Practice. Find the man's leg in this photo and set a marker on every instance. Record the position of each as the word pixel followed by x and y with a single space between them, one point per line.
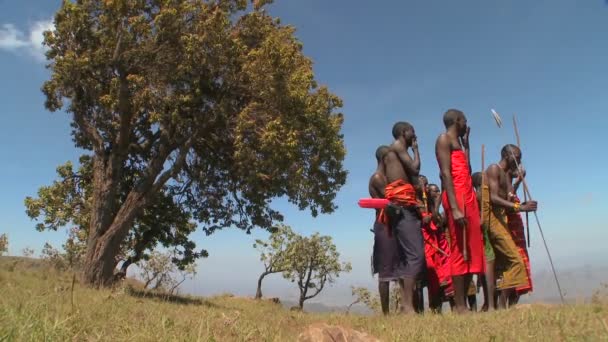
pixel 489 287
pixel 409 238
pixel 509 261
pixel 407 295
pixel 461 287
pixel 384 289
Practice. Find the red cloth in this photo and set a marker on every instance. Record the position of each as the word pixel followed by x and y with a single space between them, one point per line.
pixel 430 239
pixel 373 203
pixel 437 264
pixel 467 201
pixel 516 226
pixel 442 262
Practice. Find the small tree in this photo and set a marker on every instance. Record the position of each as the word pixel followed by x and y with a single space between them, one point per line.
pixel 3 244
pixel 53 256
pixel 314 262
pixel 27 252
pixel 274 253
pixel 372 301
pixel 158 271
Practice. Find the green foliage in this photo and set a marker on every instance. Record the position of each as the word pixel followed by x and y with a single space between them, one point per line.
pixel 54 257
pixel 3 244
pixel 372 300
pixel 205 107
pixel 27 252
pixel 159 272
pixel 277 252
pixel 314 263
pixel 68 201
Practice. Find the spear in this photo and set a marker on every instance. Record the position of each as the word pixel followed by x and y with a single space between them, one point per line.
pixel 526 188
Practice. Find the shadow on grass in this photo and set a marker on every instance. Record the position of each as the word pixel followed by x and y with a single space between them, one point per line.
pixel 170 298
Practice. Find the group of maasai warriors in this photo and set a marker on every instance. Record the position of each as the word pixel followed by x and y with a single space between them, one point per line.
pixel 480 231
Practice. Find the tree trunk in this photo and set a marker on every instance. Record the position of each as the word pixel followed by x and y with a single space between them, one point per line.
pixel 104 245
pixel 110 223
pixel 258 292
pixel 301 302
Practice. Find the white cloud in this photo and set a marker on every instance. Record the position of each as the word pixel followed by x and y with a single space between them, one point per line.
pixel 14 40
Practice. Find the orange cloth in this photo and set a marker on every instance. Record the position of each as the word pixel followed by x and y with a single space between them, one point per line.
pixel 400 193
pixel 467 202
pixel 516 226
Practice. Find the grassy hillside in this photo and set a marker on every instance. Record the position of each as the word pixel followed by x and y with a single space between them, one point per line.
pixel 37 304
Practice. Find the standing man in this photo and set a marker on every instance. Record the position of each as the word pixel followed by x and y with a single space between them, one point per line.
pixel 435 247
pixel 487 280
pixel 460 204
pixel 510 268
pixel 385 259
pixel 516 226
pixel 403 215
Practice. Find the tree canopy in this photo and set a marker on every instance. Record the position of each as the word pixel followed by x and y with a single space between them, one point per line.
pixel 209 107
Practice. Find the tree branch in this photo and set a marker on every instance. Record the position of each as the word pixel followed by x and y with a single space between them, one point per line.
pixel 90 132
pixel 175 169
pixel 319 289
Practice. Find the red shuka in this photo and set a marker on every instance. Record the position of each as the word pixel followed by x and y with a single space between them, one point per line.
pixel 467 202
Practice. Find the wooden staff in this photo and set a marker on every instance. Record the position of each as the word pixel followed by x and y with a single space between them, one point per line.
pixel 465 251
pixel 521 175
pixel 483 176
pixel 540 229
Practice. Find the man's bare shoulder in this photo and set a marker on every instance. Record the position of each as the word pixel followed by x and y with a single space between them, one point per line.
pixel 397 146
pixel 493 170
pixel 443 140
pixel 377 177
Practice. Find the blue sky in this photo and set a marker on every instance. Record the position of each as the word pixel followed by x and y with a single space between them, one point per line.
pixel 544 60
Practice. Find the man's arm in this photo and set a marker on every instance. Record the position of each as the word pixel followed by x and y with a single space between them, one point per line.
pixel 467 149
pixel 493 176
pixel 443 150
pixel 378 185
pixel 411 166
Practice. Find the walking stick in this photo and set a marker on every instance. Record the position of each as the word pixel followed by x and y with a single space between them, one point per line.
pixel 525 188
pixel 465 251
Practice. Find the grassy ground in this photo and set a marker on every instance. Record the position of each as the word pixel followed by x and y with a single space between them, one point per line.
pixel 37 304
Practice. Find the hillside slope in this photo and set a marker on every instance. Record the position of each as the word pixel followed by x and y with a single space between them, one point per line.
pixel 37 303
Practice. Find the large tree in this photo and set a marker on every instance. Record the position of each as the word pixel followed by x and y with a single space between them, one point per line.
pixel 209 103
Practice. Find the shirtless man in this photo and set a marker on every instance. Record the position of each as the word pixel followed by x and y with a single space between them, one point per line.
pixel 404 215
pixel 516 226
pixel 436 249
pixel 510 268
pixel 460 204
pixel 385 258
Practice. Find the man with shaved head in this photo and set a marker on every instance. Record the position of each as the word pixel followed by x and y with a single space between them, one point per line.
pixel 403 214
pixel 436 248
pixel 496 205
pixel 460 205
pixel 516 226
pixel 385 259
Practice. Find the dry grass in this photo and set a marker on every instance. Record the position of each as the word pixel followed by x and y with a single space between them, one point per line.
pixel 35 305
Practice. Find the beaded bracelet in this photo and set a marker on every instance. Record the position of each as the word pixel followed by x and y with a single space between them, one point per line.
pixel 516 207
